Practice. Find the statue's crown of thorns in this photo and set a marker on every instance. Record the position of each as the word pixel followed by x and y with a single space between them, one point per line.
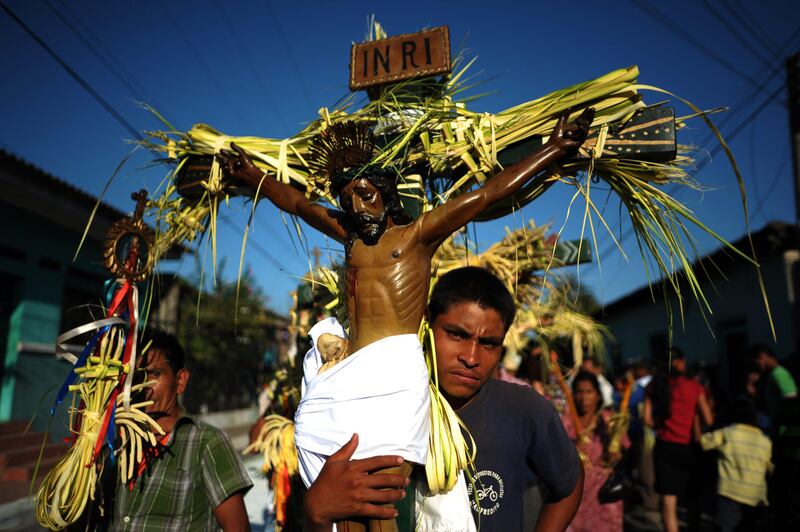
pixel 342 152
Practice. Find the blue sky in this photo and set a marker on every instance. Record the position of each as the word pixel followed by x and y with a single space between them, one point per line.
pixel 265 68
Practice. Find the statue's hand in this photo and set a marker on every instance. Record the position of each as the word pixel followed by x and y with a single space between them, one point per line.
pixel 238 165
pixel 567 137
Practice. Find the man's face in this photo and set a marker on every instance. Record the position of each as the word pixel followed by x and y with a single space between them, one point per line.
pixel 168 385
pixel 761 362
pixel 469 343
pixel 362 201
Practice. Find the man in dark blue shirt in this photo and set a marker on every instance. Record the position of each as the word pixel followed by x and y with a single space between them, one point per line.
pixel 519 437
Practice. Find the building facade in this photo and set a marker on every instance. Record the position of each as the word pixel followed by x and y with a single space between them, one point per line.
pixel 719 338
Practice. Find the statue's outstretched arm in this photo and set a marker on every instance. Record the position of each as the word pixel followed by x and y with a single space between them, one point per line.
pixel 287 198
pixel 565 140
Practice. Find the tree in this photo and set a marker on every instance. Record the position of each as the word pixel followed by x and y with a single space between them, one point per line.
pixel 225 342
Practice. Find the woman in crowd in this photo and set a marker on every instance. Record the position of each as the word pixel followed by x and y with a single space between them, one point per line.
pixel 592 441
pixel 671 406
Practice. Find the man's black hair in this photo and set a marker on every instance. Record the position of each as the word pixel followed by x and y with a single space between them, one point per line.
pixel 168 345
pixel 744 411
pixel 473 285
pixel 759 348
pixel 676 353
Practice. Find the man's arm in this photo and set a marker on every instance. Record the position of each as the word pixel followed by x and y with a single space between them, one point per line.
pixel 224 479
pixel 556 516
pixel 285 197
pixel 647 417
pixel 554 460
pixel 705 410
pixel 232 515
pixel 565 140
pixel 345 488
pixel 712 440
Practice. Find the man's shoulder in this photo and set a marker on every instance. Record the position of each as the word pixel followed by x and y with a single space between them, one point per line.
pixel 519 397
pixel 782 375
pixel 198 430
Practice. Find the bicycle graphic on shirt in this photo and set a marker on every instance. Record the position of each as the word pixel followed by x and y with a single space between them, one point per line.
pixel 486 492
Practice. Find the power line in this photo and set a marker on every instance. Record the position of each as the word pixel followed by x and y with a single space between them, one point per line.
pixel 288 47
pixel 736 34
pixel 752 25
pixel 675 188
pixel 104 55
pixel 755 91
pixel 130 88
pixel 254 71
pixel 775 179
pixel 752 116
pixel 258 247
pixel 82 82
pixel 651 11
pixel 199 58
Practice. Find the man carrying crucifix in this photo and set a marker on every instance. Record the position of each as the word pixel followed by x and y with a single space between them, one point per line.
pixel 387 276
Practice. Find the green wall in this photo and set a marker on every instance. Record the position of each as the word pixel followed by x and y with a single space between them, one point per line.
pixel 37 257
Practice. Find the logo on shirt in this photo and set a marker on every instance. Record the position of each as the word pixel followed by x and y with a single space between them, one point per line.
pixel 486 493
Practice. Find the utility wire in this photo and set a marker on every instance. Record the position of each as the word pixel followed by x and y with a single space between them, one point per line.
pixel 93 49
pixel 74 75
pixel 752 116
pixel 749 97
pixel 254 70
pixel 760 201
pixel 202 62
pixel 676 188
pixel 736 33
pixel 752 25
pixel 258 247
pixel 653 12
pixel 288 47
pixel 104 55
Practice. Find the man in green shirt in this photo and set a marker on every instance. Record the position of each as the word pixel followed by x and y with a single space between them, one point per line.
pixel 197 481
pixel 783 409
pixel 780 384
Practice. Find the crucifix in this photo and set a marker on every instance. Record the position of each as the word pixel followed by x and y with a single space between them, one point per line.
pixel 387 275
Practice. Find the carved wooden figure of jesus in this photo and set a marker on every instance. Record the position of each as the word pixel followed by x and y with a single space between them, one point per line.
pixel 388 259
pixel 388 255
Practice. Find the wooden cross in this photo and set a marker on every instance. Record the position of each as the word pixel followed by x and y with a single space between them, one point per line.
pixel 141 201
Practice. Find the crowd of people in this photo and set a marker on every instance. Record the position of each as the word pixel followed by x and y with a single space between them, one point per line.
pixel 727 459
pixel 554 452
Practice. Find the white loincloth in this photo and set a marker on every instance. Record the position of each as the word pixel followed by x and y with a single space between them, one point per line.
pixel 445 512
pixel 379 392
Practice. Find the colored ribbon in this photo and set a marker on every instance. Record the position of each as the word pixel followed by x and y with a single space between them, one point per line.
pixel 130 347
pixel 62 351
pixel 129 294
pixel 81 360
pixel 123 307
